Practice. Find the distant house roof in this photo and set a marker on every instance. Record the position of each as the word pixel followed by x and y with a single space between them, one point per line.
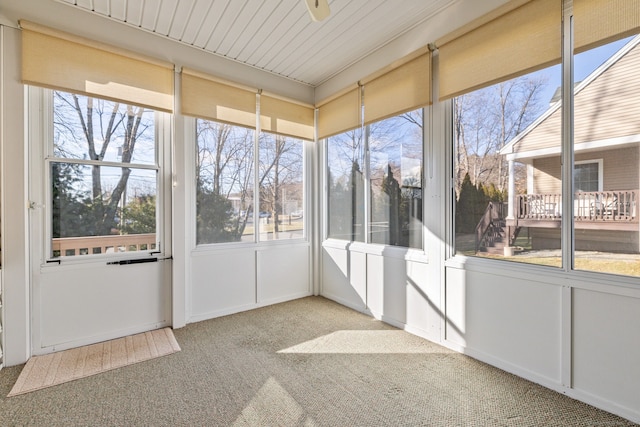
pixel 606 111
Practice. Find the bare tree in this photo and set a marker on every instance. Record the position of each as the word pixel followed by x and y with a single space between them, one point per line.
pixel 280 167
pixel 86 128
pixel 224 171
pixel 486 120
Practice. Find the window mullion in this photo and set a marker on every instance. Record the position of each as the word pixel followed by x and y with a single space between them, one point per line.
pixel 367 186
pixel 256 174
pixel 567 225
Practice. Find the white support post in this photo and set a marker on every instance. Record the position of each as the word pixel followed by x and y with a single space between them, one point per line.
pixel 511 191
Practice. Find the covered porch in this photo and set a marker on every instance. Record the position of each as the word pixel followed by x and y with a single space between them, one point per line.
pixel 611 210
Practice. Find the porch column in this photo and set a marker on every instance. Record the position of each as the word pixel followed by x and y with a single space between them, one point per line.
pixel 511 192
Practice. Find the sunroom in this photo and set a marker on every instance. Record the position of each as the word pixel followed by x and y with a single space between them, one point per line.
pixel 165 163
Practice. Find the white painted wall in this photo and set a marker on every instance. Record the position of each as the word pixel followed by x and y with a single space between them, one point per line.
pixel 518 318
pixel 119 301
pixel 391 284
pixel 230 280
pixel 13 202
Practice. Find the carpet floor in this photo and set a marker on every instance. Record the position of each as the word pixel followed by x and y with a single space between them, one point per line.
pixel 309 362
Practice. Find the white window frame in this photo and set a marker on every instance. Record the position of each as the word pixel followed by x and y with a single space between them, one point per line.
pixel 600 170
pixel 398 251
pixel 40 111
pixel 190 135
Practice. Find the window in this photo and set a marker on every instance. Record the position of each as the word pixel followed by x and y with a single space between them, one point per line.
pixel 224 183
pixel 586 176
pixel 394 151
pixel 502 75
pixel 345 176
pixel 607 128
pixel 596 229
pixel 508 197
pixel 281 213
pixel 103 177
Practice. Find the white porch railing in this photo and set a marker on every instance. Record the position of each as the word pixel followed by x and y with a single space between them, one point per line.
pixel 90 245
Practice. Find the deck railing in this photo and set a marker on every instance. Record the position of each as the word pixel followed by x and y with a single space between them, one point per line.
pixel 91 245
pixel 617 205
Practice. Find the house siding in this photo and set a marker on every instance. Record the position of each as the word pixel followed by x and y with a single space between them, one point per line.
pixel 546 176
pixel 620 170
pixel 606 108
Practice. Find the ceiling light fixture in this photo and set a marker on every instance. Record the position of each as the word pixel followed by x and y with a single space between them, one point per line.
pixel 318 9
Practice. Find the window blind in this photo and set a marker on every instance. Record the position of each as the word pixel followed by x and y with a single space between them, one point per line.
pixel 403 88
pixel 519 41
pixel 204 96
pixel 62 61
pixel 598 22
pixel 339 114
pixel 287 118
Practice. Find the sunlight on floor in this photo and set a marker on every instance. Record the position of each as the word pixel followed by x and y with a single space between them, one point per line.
pixel 367 342
pixel 272 405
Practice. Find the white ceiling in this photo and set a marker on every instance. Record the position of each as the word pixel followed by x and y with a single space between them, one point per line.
pixel 277 36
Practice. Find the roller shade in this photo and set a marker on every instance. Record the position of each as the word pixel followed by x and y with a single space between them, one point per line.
pixel 206 97
pixel 340 114
pixel 520 41
pixel 399 90
pixel 598 22
pixel 286 118
pixel 62 61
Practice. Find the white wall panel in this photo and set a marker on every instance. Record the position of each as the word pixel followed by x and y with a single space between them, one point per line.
pixel 344 277
pixel 375 286
pixel 424 315
pixel 387 277
pixel 606 352
pixel 455 306
pixel 507 319
pixel 222 282
pixel 283 273
pixel 119 300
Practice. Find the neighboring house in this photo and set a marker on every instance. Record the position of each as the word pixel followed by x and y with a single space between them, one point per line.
pixel 606 175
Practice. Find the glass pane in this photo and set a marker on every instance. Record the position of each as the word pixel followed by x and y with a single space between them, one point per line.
pixel 101 208
pixel 395 152
pixel 95 129
pixel 507 171
pixel 586 177
pixel 345 176
pixel 606 129
pixel 281 188
pixel 224 183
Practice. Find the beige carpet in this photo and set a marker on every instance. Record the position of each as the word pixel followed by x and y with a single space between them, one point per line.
pixel 309 362
pixel 57 368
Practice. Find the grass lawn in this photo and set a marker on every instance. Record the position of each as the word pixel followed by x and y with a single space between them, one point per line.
pixel 623 264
